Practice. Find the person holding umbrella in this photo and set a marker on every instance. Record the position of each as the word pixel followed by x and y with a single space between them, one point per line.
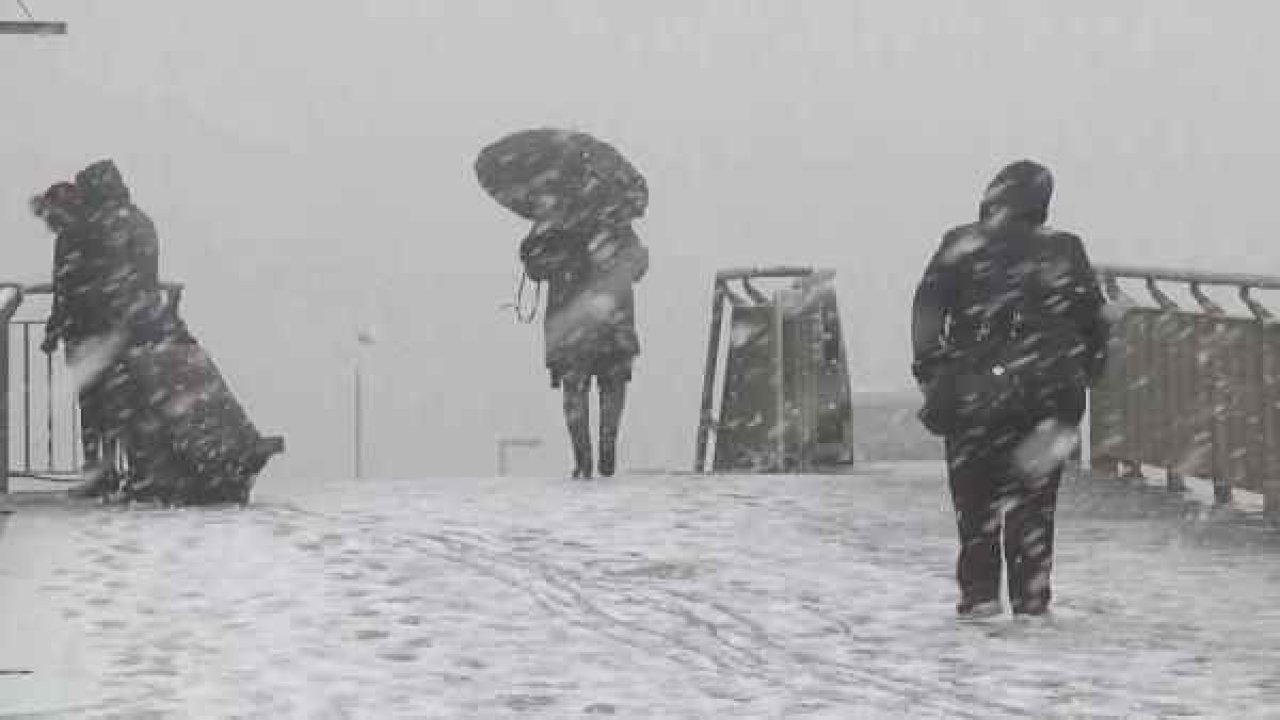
pixel 582 196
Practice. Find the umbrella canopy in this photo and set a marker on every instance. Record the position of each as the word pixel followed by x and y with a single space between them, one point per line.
pixel 551 174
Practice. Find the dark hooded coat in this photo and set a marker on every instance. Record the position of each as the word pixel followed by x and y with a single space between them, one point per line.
pixel 126 256
pixel 589 269
pixel 123 227
pixel 1007 271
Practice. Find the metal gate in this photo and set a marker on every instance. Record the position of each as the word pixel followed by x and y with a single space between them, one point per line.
pixel 776 386
pixel 40 427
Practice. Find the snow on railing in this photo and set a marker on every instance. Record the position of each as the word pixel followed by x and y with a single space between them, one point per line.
pixel 1192 387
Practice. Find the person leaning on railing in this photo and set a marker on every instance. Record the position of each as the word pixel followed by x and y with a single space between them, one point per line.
pixel 81 320
pixel 107 299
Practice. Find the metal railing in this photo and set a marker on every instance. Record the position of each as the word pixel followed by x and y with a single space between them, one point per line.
pixel 775 394
pixel 40 422
pixel 1192 386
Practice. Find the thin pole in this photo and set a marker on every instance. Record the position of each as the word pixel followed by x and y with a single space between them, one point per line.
pixel 782 422
pixel 359 422
pixel 5 417
pixel 26 396
pixel 48 398
pixel 705 416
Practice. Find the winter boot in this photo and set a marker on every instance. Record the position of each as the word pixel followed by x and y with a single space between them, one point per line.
pixel 578 419
pixel 582 460
pixel 101 480
pixel 970 610
pixel 608 458
pixel 613 398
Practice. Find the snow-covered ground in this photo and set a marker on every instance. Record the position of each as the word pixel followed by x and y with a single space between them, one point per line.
pixel 645 597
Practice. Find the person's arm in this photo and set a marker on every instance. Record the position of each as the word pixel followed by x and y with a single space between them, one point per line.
pixel 55 327
pixel 1089 309
pixel 541 256
pixel 144 249
pixel 929 310
pixel 636 258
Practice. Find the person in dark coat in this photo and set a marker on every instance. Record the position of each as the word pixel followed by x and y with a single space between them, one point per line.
pixel 74 314
pixel 85 318
pixel 129 274
pixel 129 248
pixel 590 332
pixel 992 283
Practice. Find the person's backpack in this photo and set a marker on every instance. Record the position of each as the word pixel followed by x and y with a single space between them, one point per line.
pixel 1007 380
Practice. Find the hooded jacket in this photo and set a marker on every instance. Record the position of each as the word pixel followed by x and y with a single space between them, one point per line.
pixel 989 278
pixel 590 269
pixel 121 225
pixel 127 250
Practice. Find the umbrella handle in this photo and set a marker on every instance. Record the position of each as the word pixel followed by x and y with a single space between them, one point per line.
pixel 522 316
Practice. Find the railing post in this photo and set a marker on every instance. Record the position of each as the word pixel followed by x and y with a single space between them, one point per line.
pixel 48 405
pixel 705 417
pixel 26 397
pixel 1220 403
pixel 4 411
pixel 1109 437
pixel 1270 406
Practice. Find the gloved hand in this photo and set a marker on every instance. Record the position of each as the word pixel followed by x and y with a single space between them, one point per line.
pixel 49 345
pixel 930 364
pixel 921 372
pixel 925 368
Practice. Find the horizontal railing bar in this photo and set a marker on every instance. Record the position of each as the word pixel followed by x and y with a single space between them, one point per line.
pixel 44 288
pixel 12 300
pixel 1135 272
pixel 781 271
pixel 33 27
pixel 58 476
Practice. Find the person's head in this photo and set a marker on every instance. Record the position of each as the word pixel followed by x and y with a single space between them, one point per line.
pixel 1021 191
pixel 101 182
pixel 61 206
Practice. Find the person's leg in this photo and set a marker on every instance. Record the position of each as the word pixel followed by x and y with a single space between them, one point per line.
pixel 973 476
pixel 91 429
pixel 613 398
pixel 577 416
pixel 98 468
pixel 1028 543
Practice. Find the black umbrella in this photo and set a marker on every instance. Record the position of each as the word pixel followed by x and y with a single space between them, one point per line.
pixel 550 174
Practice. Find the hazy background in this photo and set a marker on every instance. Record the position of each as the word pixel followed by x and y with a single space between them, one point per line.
pixel 309 168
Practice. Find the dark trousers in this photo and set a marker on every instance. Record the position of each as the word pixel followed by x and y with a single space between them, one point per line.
pixel 98 433
pixel 106 412
pixel 577 413
pixel 996 500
